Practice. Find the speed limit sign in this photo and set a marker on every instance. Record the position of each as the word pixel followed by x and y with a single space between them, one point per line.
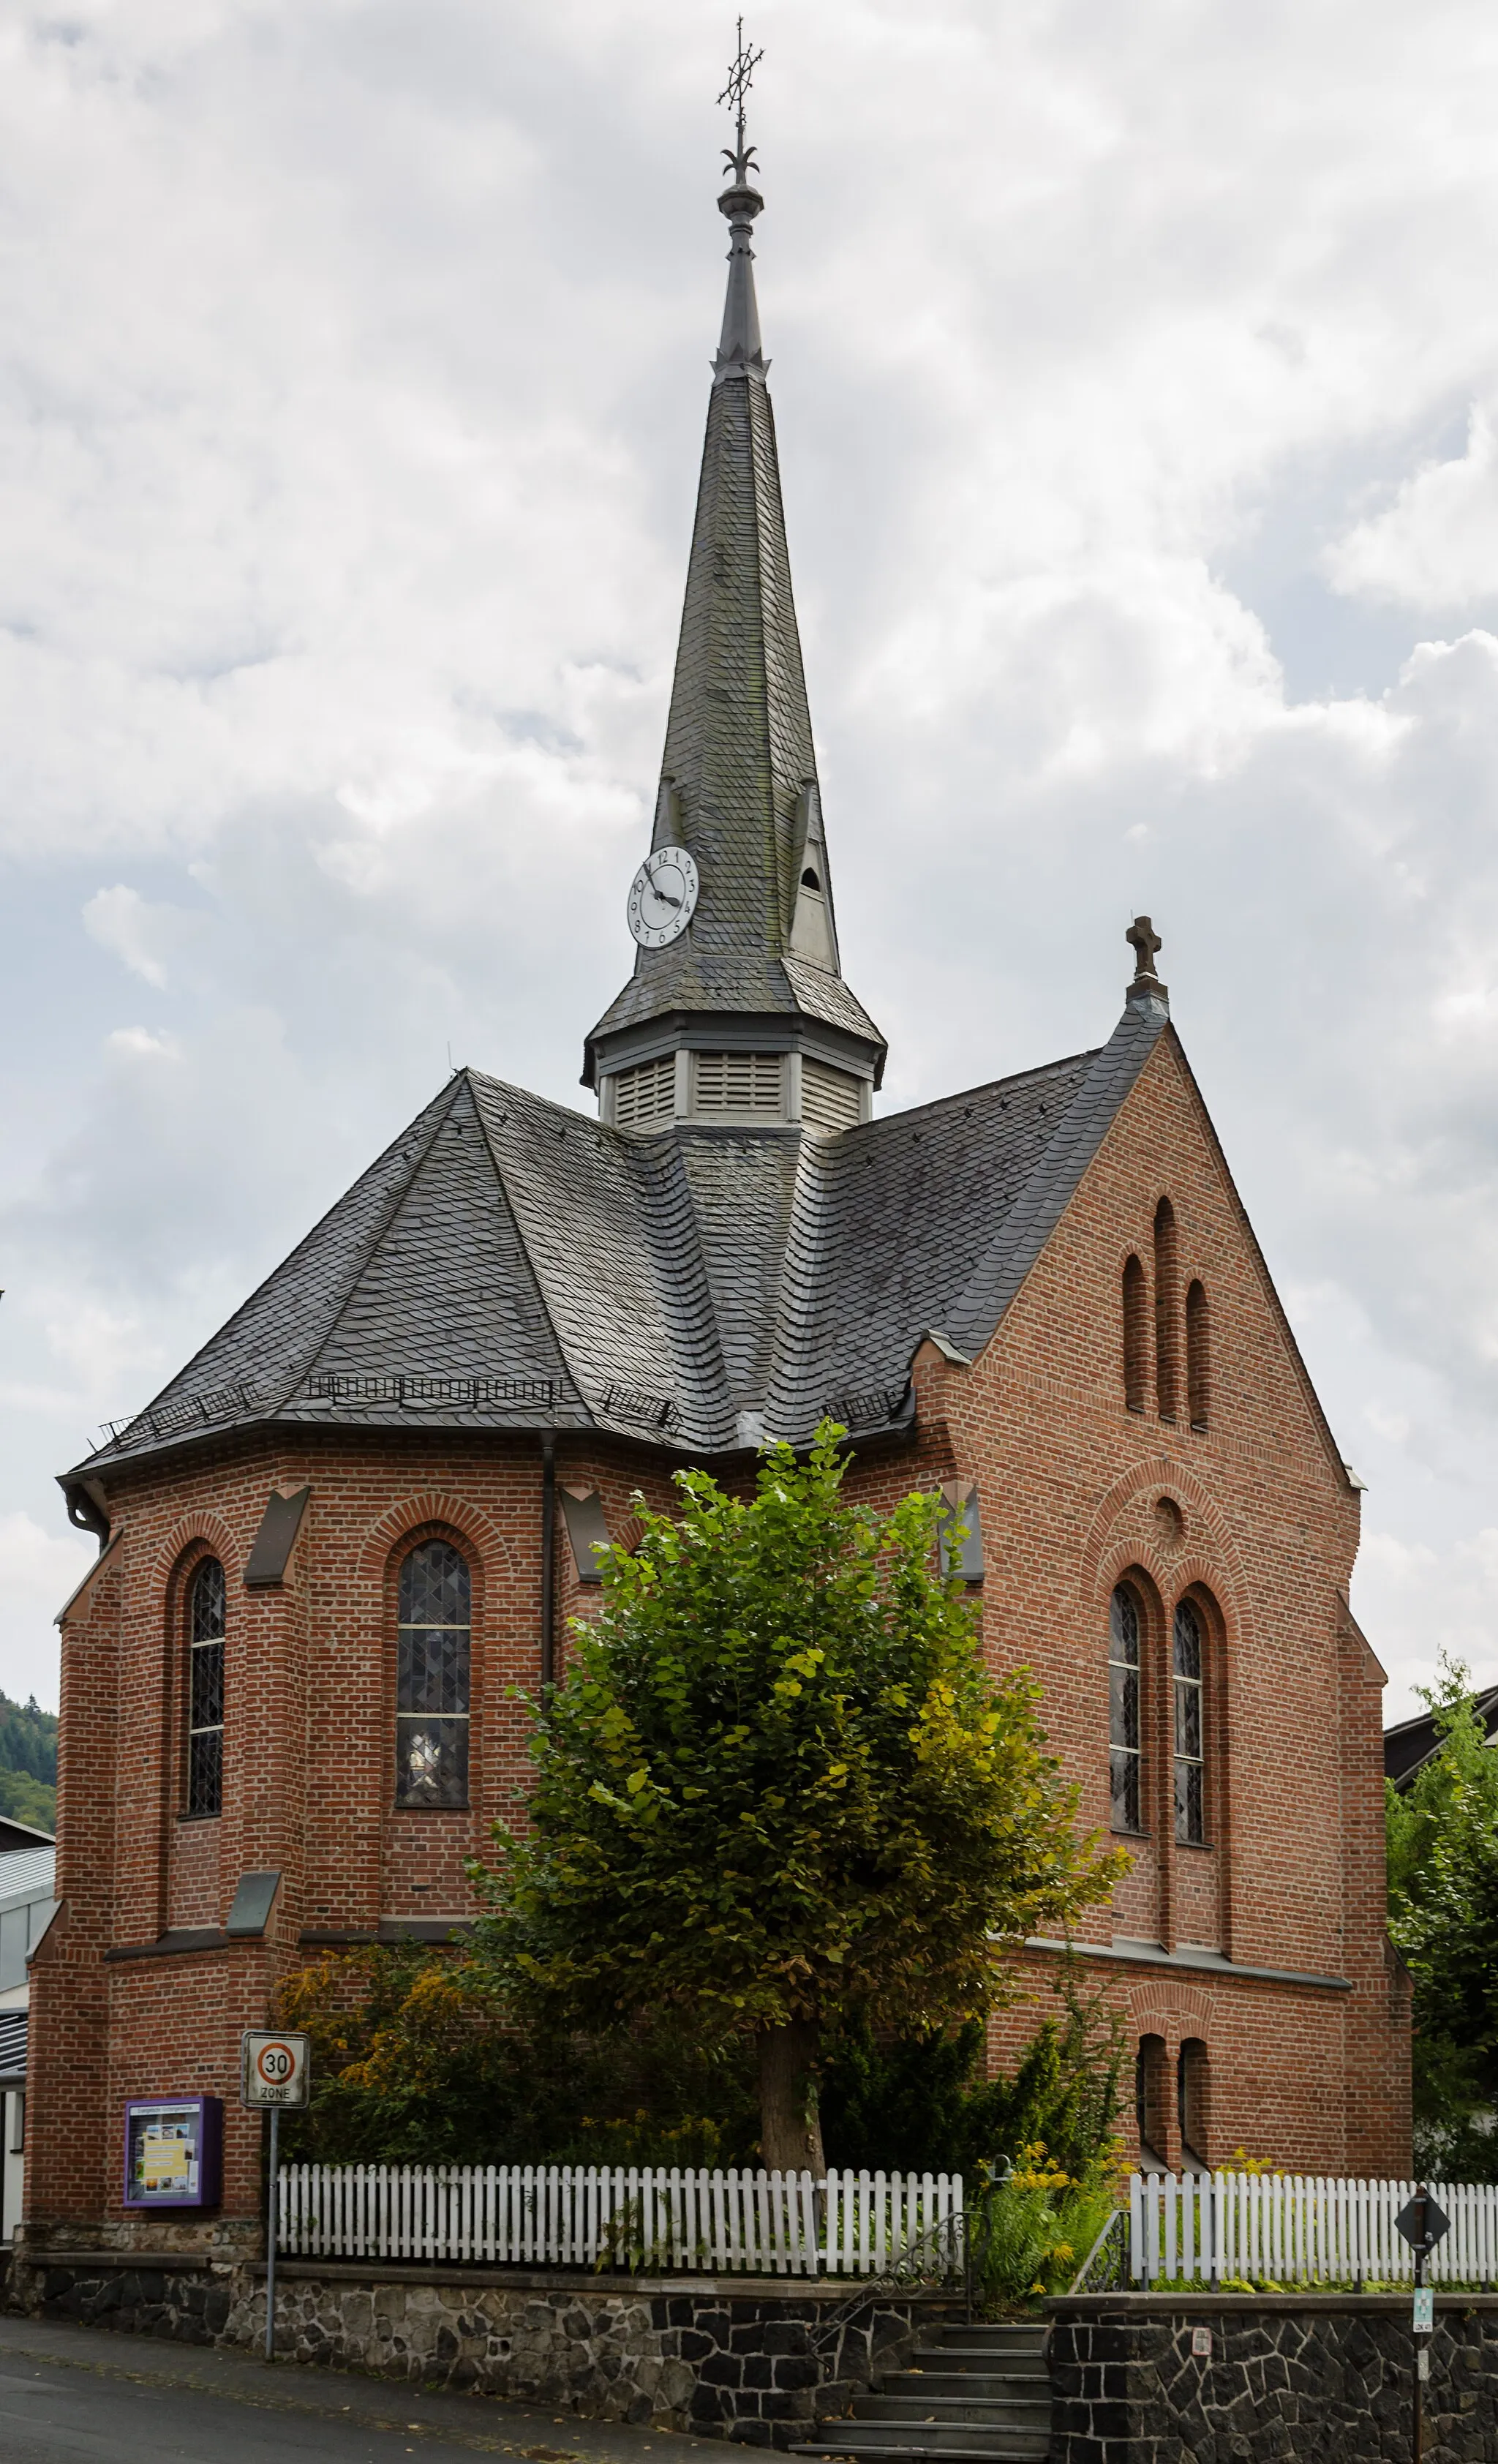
pixel 274 2069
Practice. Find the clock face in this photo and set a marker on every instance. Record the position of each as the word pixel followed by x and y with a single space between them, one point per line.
pixel 662 898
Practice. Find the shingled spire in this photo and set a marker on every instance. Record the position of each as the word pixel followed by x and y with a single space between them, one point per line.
pixel 739 785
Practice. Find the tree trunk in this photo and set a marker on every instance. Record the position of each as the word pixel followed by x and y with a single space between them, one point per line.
pixel 790 2125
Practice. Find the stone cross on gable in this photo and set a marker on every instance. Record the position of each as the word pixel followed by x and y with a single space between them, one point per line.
pixel 1144 941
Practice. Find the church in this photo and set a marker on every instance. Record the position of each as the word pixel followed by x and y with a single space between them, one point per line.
pixel 351 1533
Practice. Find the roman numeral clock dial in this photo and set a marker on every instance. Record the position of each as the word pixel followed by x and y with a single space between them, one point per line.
pixel 662 898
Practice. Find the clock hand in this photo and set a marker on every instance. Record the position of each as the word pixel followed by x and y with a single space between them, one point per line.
pixel 663 895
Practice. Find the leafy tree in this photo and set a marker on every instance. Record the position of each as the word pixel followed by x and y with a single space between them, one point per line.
pixel 778 1791
pixel 28 1763
pixel 926 2103
pixel 1442 1850
pixel 413 2062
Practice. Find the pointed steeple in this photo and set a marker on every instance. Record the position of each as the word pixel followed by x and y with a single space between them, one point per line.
pixel 757 967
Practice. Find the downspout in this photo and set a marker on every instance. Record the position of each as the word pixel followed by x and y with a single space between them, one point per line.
pixel 548 1606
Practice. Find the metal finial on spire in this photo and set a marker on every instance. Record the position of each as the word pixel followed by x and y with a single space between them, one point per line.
pixel 739 352
pixel 741 77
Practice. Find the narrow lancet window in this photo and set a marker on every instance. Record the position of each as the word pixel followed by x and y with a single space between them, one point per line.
pixel 1198 1356
pixel 1124 1754
pixel 431 1676
pixel 1136 1335
pixel 1190 1809
pixel 205 1690
pixel 1167 1314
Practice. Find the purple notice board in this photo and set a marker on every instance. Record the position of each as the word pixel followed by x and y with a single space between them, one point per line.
pixel 174 2151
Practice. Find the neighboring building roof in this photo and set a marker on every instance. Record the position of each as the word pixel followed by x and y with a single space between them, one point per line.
pixel 1411 1744
pixel 510 1265
pixel 25 1835
pixel 27 1874
pixel 12 2048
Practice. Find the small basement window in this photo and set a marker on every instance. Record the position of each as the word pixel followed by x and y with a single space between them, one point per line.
pixel 740 1082
pixel 829 1098
pixel 646 1094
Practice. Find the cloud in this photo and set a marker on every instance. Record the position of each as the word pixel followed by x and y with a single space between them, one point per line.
pixel 141 935
pixel 1435 546
pixel 39 1568
pixel 1134 378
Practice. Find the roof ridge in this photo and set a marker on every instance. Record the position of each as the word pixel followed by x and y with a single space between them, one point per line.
pixel 967 1094
pixel 440 1111
pixel 503 1087
pixel 1039 1205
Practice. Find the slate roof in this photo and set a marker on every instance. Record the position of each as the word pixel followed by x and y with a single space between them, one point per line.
pixel 509 1265
pixel 739 748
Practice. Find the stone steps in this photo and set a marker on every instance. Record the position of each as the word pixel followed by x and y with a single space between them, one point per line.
pixel 979 2396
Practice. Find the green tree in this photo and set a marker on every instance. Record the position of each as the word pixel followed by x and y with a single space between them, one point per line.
pixel 778 1791
pixel 1442 1851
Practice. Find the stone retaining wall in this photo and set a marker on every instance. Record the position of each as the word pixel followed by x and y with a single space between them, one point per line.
pixel 755 2362
pixel 1291 2375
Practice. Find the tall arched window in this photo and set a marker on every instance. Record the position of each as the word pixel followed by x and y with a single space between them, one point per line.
pixel 1149 2102
pixel 1191 2101
pixel 431 1676
pixel 1135 1335
pixel 1167 1314
pixel 1198 1356
pixel 1190 1806
pixel 206 1689
pixel 1124 1756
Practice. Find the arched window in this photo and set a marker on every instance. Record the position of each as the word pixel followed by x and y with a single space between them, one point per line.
pixel 1186 1658
pixel 1124 1756
pixel 1149 2102
pixel 206 1689
pixel 431 1678
pixel 1198 1356
pixel 1167 1314
pixel 1191 2099
pixel 1135 1335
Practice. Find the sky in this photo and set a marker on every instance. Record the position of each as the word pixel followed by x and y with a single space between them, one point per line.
pixel 1137 381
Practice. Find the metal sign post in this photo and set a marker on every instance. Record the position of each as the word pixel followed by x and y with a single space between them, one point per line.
pixel 1423 2224
pixel 275 2071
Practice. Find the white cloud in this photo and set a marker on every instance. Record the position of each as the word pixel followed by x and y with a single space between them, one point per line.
pixel 351 383
pixel 39 1569
pixel 1435 546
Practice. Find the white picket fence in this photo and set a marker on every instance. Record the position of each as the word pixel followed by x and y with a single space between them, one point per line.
pixel 574 2215
pixel 1295 2228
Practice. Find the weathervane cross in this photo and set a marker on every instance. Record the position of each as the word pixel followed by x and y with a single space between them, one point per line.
pixel 741 77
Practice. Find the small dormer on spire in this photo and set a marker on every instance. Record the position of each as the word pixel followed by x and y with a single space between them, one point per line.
pixel 1146 992
pixel 738 350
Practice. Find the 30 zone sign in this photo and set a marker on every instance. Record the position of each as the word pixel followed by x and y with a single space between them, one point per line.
pixel 274 2069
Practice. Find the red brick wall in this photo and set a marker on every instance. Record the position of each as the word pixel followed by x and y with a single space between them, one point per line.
pixel 1252 1517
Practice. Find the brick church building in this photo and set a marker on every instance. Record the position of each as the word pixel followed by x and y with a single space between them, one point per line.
pixel 367 1509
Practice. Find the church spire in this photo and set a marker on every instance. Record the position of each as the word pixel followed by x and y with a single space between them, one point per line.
pixel 733 908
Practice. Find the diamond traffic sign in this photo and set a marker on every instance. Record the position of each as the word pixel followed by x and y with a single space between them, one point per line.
pixel 1423 2222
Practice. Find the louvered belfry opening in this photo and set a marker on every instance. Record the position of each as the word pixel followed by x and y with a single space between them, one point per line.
pixel 646 1094
pixel 740 1082
pixel 829 1098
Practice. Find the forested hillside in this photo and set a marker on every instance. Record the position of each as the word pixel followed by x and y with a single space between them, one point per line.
pixel 28 1763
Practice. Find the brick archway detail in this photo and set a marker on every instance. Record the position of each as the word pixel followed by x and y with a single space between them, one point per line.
pixel 185 1534
pixel 419 1513
pixel 1218 1569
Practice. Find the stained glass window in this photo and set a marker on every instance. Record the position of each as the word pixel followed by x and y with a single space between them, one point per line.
pixel 205 1690
pixel 1190 1809
pixel 431 1678
pixel 1123 1710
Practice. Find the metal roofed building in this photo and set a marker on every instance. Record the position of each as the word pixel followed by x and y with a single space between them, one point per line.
pixel 340 1538
pixel 28 1878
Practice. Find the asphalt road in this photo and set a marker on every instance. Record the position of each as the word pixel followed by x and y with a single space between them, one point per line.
pixel 78 2395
